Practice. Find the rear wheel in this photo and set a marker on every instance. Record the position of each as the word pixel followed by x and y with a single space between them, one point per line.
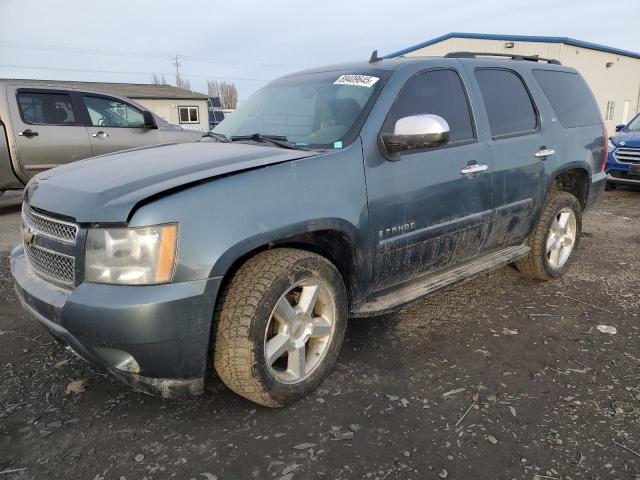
pixel 280 325
pixel 554 239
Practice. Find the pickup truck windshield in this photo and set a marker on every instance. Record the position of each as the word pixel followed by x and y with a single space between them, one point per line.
pixel 318 110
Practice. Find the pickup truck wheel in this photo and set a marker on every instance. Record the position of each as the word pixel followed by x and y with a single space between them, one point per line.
pixel 280 324
pixel 554 239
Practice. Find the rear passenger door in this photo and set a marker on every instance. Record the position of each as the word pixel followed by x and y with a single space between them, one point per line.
pixel 518 142
pixel 48 128
pixel 116 125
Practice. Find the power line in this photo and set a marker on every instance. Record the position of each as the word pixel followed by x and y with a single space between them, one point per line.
pixel 148 55
pixel 196 58
pixel 115 72
pixel 118 53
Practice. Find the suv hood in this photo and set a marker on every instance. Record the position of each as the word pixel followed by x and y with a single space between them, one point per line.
pixel 627 139
pixel 106 188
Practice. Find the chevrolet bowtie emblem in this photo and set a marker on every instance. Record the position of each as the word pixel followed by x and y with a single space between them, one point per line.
pixel 27 236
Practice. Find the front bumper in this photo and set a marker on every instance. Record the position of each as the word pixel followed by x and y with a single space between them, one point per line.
pixel 622 179
pixel 155 338
pixel 617 172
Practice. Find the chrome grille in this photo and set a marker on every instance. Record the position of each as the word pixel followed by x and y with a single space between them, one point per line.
pixel 53 266
pixel 49 227
pixel 627 155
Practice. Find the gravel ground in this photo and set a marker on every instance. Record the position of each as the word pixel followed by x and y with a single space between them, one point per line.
pixel 501 377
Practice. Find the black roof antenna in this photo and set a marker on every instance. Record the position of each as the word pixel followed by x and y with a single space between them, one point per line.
pixel 374 57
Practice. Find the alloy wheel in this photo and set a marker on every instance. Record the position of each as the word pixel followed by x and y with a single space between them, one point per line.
pixel 300 331
pixel 561 238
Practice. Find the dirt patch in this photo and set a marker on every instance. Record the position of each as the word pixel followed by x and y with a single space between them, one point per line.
pixel 498 378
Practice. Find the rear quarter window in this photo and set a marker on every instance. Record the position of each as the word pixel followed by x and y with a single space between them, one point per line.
pixel 570 98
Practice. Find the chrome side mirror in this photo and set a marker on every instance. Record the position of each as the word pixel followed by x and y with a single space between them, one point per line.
pixel 416 132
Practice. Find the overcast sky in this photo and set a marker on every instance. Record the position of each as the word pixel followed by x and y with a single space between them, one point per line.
pixel 251 42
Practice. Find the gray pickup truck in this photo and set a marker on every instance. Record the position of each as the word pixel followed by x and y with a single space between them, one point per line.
pixel 345 191
pixel 43 126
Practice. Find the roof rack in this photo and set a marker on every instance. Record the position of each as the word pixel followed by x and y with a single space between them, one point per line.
pixel 530 58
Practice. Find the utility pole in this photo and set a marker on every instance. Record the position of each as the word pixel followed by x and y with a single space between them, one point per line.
pixel 176 62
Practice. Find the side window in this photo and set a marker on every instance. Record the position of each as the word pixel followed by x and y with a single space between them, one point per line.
pixel 189 114
pixel 438 92
pixel 109 112
pixel 508 103
pixel 570 98
pixel 41 108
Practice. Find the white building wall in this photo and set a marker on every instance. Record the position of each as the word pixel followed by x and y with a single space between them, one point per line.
pixel 619 83
pixel 167 109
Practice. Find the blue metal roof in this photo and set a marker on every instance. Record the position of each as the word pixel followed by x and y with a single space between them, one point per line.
pixel 516 38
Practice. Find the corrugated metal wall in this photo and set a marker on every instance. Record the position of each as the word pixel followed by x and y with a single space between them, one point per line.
pixel 619 83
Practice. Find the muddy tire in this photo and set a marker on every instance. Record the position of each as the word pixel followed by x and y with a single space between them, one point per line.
pixel 555 239
pixel 280 324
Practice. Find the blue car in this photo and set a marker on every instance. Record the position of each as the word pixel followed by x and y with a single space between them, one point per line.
pixel 623 163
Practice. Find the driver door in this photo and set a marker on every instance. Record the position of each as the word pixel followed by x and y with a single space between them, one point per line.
pixel 116 125
pixel 426 212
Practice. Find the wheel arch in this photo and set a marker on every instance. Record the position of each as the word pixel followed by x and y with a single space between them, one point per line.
pixel 574 178
pixel 333 239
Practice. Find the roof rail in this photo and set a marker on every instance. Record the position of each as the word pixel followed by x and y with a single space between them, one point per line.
pixel 530 58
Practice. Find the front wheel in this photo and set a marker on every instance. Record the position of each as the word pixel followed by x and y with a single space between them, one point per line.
pixel 555 238
pixel 280 325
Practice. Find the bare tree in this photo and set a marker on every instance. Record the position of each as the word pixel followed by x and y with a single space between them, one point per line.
pixel 183 83
pixel 213 89
pixel 230 95
pixel 158 80
pixel 226 92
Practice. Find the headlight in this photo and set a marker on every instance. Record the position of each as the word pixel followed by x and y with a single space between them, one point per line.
pixel 131 256
pixel 612 146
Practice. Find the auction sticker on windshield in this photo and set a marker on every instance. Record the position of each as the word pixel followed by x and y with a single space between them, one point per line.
pixel 359 80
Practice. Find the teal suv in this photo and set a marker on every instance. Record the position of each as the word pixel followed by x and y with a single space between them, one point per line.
pixel 342 191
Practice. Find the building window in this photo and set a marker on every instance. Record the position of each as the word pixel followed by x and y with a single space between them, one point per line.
pixel 189 114
pixel 611 107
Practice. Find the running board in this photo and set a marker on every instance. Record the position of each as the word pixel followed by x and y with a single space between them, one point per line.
pixel 392 299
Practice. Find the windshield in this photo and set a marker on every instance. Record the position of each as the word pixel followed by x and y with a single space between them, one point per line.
pixel 634 125
pixel 318 110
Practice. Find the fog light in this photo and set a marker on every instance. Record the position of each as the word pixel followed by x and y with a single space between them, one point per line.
pixel 118 359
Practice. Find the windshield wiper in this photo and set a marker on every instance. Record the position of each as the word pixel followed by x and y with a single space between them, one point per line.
pixel 217 136
pixel 277 140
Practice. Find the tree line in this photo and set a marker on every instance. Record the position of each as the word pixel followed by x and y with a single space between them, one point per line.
pixel 225 91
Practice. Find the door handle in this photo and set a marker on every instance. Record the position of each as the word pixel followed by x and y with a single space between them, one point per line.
pixel 474 169
pixel 544 152
pixel 28 133
pixel 100 134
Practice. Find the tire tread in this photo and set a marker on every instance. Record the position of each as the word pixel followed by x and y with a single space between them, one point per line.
pixel 533 265
pixel 234 353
